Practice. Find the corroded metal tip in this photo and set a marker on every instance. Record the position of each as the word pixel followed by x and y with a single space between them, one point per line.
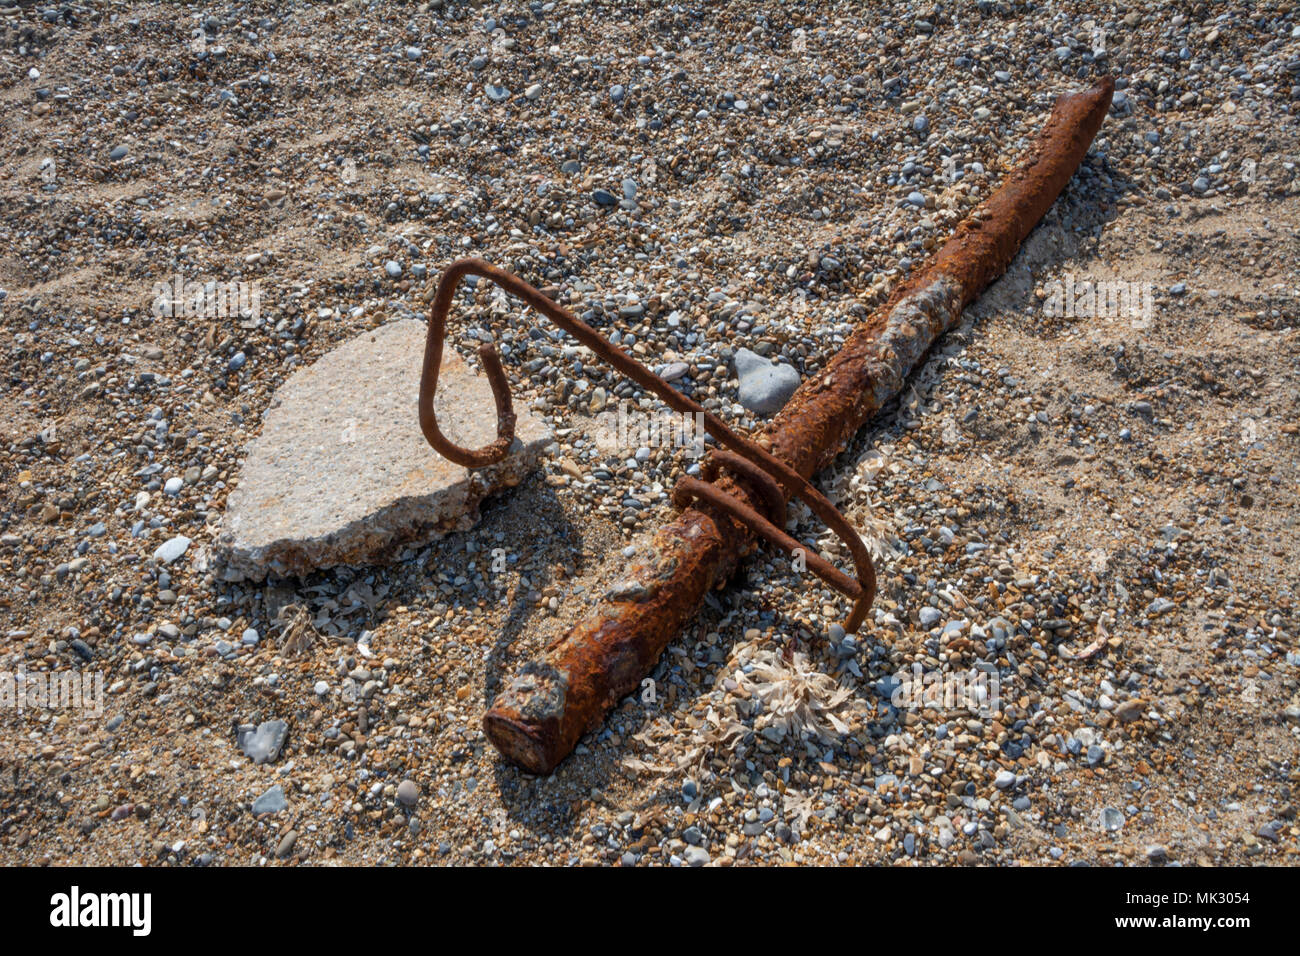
pixel 525 723
pixel 520 742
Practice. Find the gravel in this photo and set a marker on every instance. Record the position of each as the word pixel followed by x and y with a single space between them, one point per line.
pixel 766 182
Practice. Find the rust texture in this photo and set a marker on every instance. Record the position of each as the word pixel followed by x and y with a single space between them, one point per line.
pixel 553 701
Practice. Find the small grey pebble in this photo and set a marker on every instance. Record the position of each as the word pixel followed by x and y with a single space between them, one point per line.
pixel 272 801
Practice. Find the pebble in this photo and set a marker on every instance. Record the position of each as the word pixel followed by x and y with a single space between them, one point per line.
pixel 696 856
pixel 263 744
pixel 408 793
pixel 764 388
pixel 272 801
pixel 172 549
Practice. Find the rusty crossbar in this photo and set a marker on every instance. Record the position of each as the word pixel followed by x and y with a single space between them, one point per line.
pixel 553 700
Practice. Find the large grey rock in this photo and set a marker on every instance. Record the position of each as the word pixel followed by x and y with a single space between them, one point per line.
pixel 341 473
pixel 764 387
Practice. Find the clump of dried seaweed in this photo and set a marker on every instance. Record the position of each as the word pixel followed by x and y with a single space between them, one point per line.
pixel 797 698
pixel 785 698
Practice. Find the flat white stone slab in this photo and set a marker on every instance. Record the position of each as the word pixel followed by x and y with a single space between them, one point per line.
pixel 341 473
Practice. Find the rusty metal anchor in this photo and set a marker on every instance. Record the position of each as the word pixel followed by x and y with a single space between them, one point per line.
pixel 551 702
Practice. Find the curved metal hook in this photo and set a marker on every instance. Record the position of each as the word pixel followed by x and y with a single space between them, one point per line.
pixel 771 479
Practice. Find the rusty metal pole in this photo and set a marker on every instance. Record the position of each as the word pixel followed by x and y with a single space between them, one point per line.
pixel 553 701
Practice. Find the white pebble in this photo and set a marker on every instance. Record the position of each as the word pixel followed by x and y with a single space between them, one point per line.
pixel 172 549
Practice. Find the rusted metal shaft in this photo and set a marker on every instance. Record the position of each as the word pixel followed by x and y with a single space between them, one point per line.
pixel 553 701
